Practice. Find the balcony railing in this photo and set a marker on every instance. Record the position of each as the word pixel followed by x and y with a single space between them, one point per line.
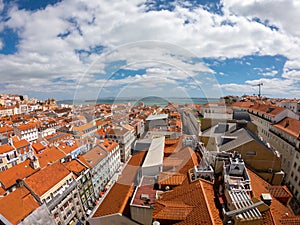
pixel 59 197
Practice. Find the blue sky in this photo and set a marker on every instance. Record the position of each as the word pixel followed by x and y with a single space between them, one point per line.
pixel 72 49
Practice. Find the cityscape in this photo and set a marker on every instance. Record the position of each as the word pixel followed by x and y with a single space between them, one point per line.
pixel 232 161
pixel 149 112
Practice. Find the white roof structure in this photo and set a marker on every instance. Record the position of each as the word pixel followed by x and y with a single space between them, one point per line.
pixel 154 159
pixel 157 117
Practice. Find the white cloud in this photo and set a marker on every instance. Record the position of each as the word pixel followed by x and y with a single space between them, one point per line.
pixel 161 41
pixel 1 6
pixel 270 73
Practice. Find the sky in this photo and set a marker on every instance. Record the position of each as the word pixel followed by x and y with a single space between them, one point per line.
pixel 87 49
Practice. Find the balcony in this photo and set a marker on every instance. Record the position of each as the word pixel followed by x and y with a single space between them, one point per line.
pixel 59 197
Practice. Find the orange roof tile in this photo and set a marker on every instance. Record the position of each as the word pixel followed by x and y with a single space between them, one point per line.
pixel 109 145
pixel 2 191
pixel 290 126
pixel 122 190
pixel 27 126
pixel 6 148
pixel 277 210
pixel 49 155
pixel 5 129
pixel 9 177
pixel 171 178
pixel 38 146
pixel 21 143
pixel 94 156
pixel 75 166
pixel 17 205
pixel 45 179
pixel 187 198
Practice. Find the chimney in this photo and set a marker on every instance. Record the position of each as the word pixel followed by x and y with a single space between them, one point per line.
pixel 287 123
pixel 34 162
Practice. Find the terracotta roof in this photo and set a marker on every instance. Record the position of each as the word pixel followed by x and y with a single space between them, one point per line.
pixel 9 177
pixel 21 143
pixel 49 155
pixel 290 220
pixel 290 126
pixel 38 146
pixel 6 148
pixel 277 210
pixel 2 191
pixel 6 128
pixel 45 179
pixel 269 109
pixel 122 190
pixel 68 145
pixel 109 145
pixel 17 205
pixel 94 156
pixel 75 166
pixel 186 204
pixel 279 192
pixel 242 104
pixel 209 195
pixel 27 126
pixel 170 178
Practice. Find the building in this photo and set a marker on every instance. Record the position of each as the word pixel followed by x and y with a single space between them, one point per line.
pixel 27 131
pixel 55 186
pixel 125 138
pixel 97 160
pixel 23 148
pixel 153 163
pixel 114 157
pixel 143 199
pixel 85 187
pixel 8 157
pixel 156 121
pixel 7 131
pixel 15 207
pixel 284 136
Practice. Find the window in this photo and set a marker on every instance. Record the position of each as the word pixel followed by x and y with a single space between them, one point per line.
pixel 295 164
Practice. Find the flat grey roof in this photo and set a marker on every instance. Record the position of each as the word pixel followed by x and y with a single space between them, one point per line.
pixel 157 117
pixel 155 153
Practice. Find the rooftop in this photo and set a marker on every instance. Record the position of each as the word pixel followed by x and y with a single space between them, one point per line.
pixel 155 153
pixel 157 117
pixel 45 179
pixel 145 195
pixel 75 166
pixel 22 170
pixel 186 204
pixel 290 126
pixel 94 156
pixel 17 205
pixel 6 148
pixel 21 143
pixel 122 190
pixel 49 155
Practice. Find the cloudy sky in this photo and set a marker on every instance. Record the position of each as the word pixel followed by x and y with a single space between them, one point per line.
pixel 86 49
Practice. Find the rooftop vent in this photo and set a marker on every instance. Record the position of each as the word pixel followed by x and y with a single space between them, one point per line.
pixel 144 197
pixel 266 198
